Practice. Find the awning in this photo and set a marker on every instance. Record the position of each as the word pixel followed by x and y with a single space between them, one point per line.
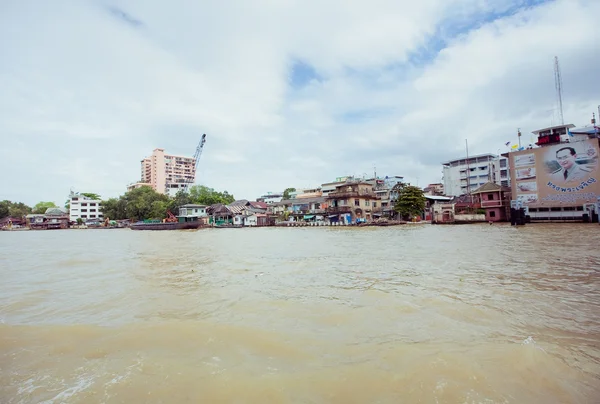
pixel 309 216
pixel 588 130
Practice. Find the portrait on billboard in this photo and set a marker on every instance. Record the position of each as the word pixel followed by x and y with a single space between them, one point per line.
pixel 525 160
pixel 525 173
pixel 570 163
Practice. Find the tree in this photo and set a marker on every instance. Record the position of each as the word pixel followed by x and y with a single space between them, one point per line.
pixel 5 208
pixel 180 198
pixel 286 193
pixel 114 208
pixel 19 209
pixel 410 202
pixel 14 209
pixel 41 207
pixel 138 203
pixel 91 195
pixel 203 195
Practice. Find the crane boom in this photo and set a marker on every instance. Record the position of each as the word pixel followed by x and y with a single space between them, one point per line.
pixel 197 155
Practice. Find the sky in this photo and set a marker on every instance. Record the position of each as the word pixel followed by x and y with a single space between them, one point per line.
pixel 290 93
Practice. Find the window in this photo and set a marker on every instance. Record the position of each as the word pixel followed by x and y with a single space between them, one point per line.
pixel 92 216
pixel 490 197
pixel 357 202
pixel 92 204
pixel 92 210
pixel 84 216
pixel 83 204
pixel 367 203
pixel 374 204
pixel 492 214
pixel 503 163
pixel 84 210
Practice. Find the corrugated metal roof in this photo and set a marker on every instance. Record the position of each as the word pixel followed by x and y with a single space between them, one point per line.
pixel 259 205
pixel 236 209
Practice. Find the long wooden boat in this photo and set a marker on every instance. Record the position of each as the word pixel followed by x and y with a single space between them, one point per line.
pixel 166 226
pixel 228 226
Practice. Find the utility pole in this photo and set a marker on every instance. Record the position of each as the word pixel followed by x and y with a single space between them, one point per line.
pixel 558 85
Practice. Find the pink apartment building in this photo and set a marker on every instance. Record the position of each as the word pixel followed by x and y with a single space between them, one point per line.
pixel 166 173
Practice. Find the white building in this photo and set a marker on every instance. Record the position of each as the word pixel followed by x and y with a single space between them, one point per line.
pixel 84 208
pixel 461 175
pixel 271 197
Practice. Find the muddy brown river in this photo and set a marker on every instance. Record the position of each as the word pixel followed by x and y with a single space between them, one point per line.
pixel 408 314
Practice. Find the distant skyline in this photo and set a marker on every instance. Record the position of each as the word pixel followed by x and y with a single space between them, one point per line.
pixel 290 94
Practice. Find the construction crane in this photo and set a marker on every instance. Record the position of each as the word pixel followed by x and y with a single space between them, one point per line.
pixel 197 158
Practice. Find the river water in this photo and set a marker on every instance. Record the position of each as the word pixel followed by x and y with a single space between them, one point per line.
pixel 408 314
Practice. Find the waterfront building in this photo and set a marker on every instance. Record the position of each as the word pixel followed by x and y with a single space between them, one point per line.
pixel 53 218
pixel 351 202
pixel 386 190
pixel 560 179
pixel 84 208
pixel 434 189
pixel 166 173
pixel 271 198
pixel 462 176
pixel 495 200
pixel 192 213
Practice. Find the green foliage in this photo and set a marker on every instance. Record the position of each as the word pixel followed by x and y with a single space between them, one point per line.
pixel 139 204
pixel 91 195
pixel 208 196
pixel 114 208
pixel 41 207
pixel 145 203
pixel 286 193
pixel 79 221
pixel 480 211
pixel 410 202
pixel 14 209
pixel 181 198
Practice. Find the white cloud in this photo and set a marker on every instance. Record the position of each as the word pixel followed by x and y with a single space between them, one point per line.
pixel 85 94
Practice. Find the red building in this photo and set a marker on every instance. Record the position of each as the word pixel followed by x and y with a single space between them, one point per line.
pixel 495 199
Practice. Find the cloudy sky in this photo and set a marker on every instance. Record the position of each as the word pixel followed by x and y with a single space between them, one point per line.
pixel 289 92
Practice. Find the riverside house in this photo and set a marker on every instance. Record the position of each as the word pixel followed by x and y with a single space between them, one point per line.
pixel 495 200
pixel 352 202
pixel 193 213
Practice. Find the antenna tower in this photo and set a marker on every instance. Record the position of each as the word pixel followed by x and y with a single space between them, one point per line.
pixel 558 85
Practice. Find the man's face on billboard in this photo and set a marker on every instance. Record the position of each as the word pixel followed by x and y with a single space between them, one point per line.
pixel 565 159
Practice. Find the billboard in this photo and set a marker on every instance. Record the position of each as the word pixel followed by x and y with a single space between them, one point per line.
pixel 565 174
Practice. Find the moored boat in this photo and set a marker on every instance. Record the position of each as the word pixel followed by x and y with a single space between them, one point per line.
pixel 166 226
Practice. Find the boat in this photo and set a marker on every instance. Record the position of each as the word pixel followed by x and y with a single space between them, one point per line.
pixel 166 226
pixel 228 226
pixel 170 223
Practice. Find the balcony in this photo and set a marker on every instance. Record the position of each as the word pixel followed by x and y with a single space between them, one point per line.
pixel 352 194
pixel 339 209
pixel 498 203
pixel 309 211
